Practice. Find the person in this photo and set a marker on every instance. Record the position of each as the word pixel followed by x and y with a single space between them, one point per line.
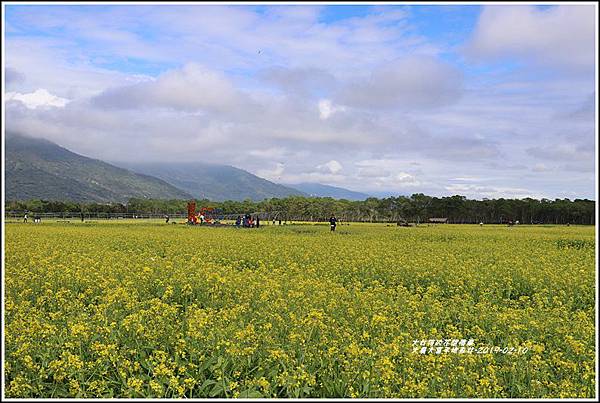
pixel 37 219
pixel 273 221
pixel 166 218
pixel 332 223
pixel 238 221
pixel 201 218
pixel 257 222
pixel 481 224
pixel 25 218
pixel 82 216
pixel 280 221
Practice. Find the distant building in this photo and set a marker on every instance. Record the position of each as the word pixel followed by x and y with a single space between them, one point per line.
pixel 438 220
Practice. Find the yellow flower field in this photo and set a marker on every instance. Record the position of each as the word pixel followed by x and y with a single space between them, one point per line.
pixel 147 309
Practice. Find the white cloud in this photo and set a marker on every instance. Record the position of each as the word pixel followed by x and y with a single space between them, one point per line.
pixel 562 152
pixel 478 191
pixel 269 152
pixel 13 76
pixel 559 36
pixel 299 81
pixel 227 37
pixel 540 168
pixel 332 166
pixel 45 62
pixel 467 179
pixel 38 99
pixel 192 87
pixel 272 174
pixel 387 174
pixel 326 108
pixel 404 177
pixel 410 82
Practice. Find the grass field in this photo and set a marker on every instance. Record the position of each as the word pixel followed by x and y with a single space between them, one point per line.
pixel 147 309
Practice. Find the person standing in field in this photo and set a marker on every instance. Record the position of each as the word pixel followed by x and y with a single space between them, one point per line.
pixel 332 222
pixel 166 218
pixel 25 218
pixel 257 222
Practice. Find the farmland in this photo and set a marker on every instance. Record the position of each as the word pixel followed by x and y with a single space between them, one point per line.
pixel 147 309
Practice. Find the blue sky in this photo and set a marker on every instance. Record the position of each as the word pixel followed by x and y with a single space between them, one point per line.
pixel 449 24
pixel 484 101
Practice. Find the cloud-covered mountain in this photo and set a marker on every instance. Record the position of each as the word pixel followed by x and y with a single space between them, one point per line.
pixel 319 190
pixel 213 182
pixel 39 169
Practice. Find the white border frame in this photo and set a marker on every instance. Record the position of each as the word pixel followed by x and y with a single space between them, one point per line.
pixel 250 3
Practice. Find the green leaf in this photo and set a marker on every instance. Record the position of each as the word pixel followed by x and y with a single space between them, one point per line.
pixel 249 393
pixel 216 390
pixel 206 384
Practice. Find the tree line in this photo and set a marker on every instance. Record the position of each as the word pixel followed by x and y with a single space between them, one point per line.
pixel 415 208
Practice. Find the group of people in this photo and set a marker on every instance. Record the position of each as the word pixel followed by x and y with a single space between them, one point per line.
pixel 247 221
pixel 36 218
pixel 195 219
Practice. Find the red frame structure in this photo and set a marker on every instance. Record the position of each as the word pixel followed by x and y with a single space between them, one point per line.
pixel 191 207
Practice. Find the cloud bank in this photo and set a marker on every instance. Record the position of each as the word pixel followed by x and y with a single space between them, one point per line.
pixel 369 101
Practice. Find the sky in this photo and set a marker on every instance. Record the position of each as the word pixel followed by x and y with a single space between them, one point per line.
pixel 485 101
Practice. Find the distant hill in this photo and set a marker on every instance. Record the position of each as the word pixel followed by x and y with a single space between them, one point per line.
pixel 40 169
pixel 318 190
pixel 213 182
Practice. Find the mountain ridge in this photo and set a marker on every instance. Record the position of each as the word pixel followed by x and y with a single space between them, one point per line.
pixel 213 182
pixel 40 169
pixel 320 190
pixel 37 168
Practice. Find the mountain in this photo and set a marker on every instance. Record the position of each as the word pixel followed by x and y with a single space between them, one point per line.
pixel 40 169
pixel 318 190
pixel 213 182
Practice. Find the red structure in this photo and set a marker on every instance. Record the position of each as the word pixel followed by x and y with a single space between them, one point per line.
pixel 206 215
pixel 191 207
